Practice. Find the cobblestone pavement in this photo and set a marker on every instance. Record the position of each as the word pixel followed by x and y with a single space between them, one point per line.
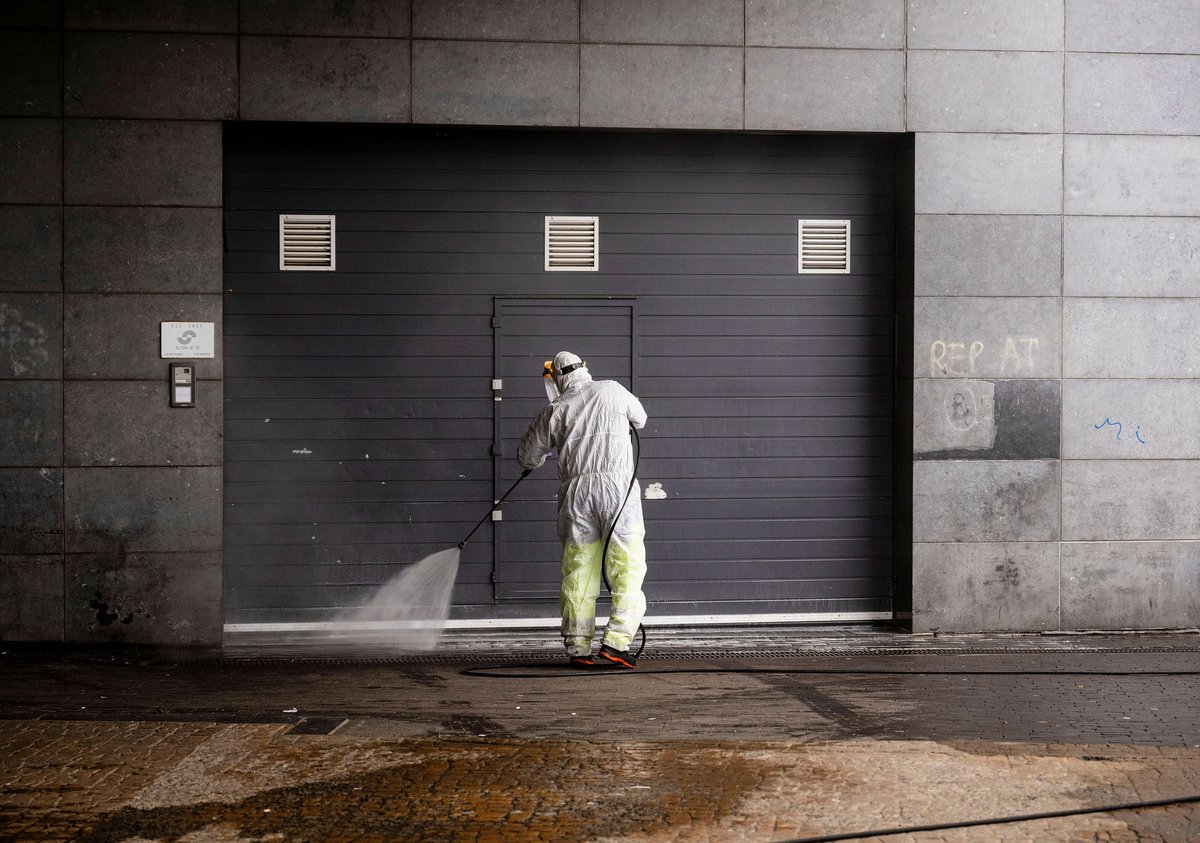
pixel 118 747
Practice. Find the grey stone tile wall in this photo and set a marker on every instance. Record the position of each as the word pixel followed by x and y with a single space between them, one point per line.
pixel 146 598
pixel 710 22
pixel 31 242
pixel 1120 175
pixel 986 420
pixel 989 174
pixel 30 161
pixel 120 250
pixel 177 76
pixel 127 423
pixel 1133 94
pixel 971 91
pixel 1130 500
pixel 518 84
pixel 1131 256
pixel 31 511
pixel 153 15
pixel 825 90
pixel 1130 585
pixel 31 335
pixel 95 350
pixel 31 66
pixel 31 423
pixel 852 24
pixel 119 510
pixel 660 87
pixel 325 79
pixel 1131 338
pixel 988 255
pixel 31 598
pixel 985 25
pixel 142 162
pixel 1131 419
pixel 496 20
pixel 333 18
pixel 978 337
pixel 985 501
pixel 1147 26
pixel 986 586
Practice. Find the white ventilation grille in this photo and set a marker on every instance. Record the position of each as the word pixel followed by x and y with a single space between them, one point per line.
pixel 825 246
pixel 572 244
pixel 306 241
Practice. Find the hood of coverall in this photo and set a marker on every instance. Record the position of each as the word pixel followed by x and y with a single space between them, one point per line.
pixel 563 360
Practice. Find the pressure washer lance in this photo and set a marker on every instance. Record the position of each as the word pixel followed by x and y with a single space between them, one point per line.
pixel 524 474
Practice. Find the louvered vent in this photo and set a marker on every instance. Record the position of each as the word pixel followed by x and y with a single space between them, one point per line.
pixel 825 246
pixel 572 244
pixel 306 241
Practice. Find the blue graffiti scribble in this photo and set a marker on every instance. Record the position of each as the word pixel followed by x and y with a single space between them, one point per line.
pixel 1108 422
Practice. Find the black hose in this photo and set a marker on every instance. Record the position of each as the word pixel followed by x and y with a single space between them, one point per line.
pixel 1014 818
pixel 637 457
pixel 549 670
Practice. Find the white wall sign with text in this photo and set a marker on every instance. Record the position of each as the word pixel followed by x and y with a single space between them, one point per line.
pixel 189 339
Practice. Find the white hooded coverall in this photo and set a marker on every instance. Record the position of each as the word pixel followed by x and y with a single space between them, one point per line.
pixel 588 426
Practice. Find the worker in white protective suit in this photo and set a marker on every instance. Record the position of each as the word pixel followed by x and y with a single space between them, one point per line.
pixel 587 424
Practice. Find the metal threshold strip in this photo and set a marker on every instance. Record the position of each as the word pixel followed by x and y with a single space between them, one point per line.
pixel 554 622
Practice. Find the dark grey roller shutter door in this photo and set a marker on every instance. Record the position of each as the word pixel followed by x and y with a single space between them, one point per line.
pixel 361 424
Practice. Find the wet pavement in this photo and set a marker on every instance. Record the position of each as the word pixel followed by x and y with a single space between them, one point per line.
pixel 758 735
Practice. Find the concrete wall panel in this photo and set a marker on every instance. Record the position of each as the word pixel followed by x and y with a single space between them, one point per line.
pixel 325 79
pixel 1131 338
pixel 135 74
pixel 31 598
pixel 712 22
pixel 1130 500
pixel 1129 94
pixel 31 66
pixel 496 20
pixel 1130 585
pixel 1131 419
pixel 1131 256
pixel 161 250
pixel 988 255
pixel 986 420
pixel 1136 176
pixel 985 25
pixel 985 501
pixel 153 15
pixel 846 24
pixel 31 510
pixel 964 337
pixel 159 598
pixel 661 87
pixel 968 91
pixel 118 510
pixel 95 350
pixel 117 423
pixel 31 242
pixel 334 18
pixel 825 90
pixel 31 423
pixel 518 84
pixel 31 335
pixel 985 587
pixel 143 162
pixel 31 153
pixel 988 174
pixel 1147 26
